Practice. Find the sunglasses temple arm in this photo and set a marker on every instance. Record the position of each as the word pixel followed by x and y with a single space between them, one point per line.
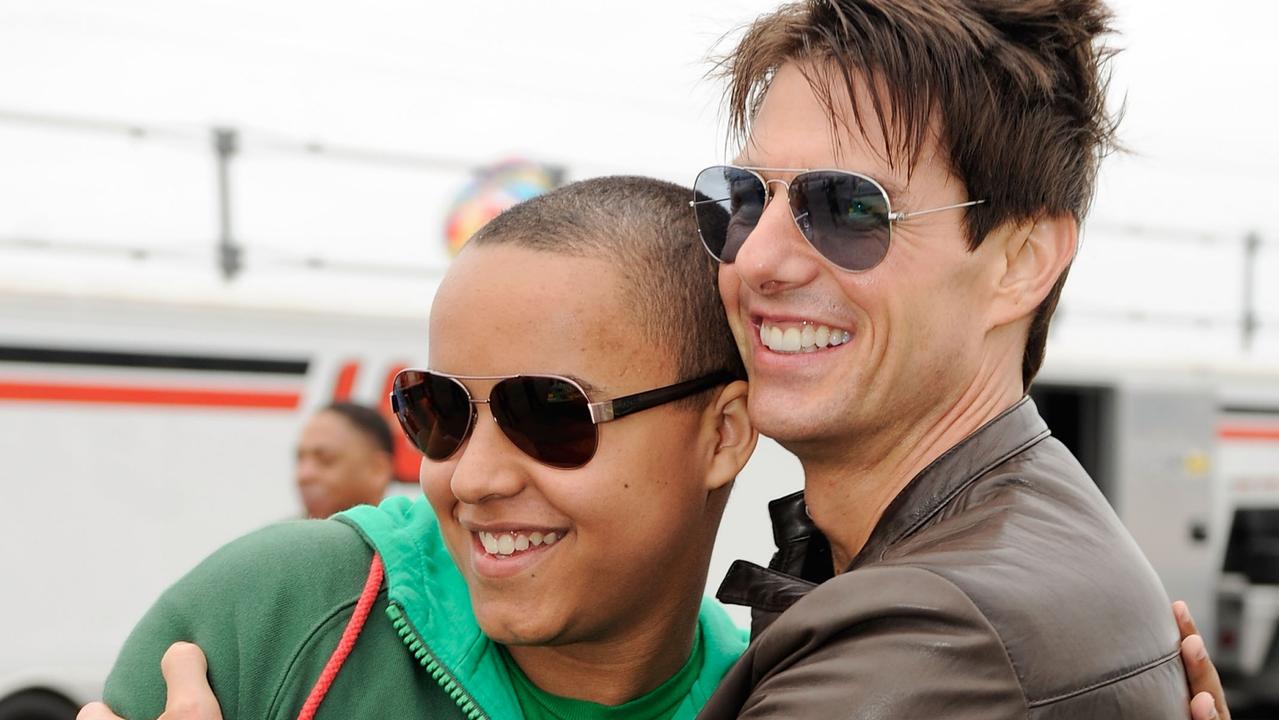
pixel 900 216
pixel 607 410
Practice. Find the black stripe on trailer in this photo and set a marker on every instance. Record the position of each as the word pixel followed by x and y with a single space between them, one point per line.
pixel 1250 409
pixel 164 361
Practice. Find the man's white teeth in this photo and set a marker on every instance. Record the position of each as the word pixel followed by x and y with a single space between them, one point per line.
pixel 808 338
pixel 506 544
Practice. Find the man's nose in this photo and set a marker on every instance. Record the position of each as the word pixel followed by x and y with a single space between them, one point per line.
pixel 488 465
pixel 775 257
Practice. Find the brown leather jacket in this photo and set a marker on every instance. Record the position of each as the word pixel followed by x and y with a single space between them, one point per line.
pixel 998 584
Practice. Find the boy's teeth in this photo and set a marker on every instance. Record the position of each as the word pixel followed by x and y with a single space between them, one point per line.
pixel 507 544
pixel 807 338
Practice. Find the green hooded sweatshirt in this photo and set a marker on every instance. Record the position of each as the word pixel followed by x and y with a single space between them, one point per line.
pixel 268 611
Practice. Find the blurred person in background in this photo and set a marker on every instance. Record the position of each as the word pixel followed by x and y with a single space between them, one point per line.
pixel 344 458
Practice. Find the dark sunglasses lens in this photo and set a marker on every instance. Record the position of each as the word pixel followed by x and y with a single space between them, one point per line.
pixel 844 216
pixel 728 202
pixel 547 418
pixel 434 411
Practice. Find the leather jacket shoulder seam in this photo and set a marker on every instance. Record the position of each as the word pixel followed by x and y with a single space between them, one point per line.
pixel 915 526
pixel 1118 677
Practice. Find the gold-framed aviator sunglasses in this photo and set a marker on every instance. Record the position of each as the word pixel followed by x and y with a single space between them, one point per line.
pixel 845 216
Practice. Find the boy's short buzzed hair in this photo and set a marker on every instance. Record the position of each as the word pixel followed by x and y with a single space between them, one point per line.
pixel 1017 89
pixel 645 229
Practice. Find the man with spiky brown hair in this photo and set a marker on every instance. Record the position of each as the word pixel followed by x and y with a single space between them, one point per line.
pixel 893 239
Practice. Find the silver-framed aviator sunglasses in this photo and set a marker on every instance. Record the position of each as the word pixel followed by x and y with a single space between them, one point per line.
pixel 844 215
pixel 549 417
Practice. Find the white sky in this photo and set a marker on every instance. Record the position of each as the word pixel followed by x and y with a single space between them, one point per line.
pixel 598 87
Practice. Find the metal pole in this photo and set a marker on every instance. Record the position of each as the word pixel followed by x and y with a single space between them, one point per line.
pixel 1251 247
pixel 225 145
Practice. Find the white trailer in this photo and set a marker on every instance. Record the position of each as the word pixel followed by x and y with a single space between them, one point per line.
pixel 140 431
pixel 136 437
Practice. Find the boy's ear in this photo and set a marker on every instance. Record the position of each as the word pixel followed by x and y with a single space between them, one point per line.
pixel 1033 258
pixel 728 435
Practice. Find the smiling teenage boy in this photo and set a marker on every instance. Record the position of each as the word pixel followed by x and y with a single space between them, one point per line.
pixel 582 423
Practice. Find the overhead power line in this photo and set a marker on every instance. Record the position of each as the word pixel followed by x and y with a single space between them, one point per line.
pixel 110 126
pixel 248 139
pixel 1179 235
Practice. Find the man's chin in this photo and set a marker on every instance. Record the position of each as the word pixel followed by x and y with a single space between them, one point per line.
pixel 791 420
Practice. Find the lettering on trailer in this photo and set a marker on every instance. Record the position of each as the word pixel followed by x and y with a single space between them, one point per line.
pixel 1256 484
pixel 406 460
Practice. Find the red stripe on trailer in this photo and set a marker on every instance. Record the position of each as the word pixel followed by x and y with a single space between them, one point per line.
pixel 1248 432
pixel 133 395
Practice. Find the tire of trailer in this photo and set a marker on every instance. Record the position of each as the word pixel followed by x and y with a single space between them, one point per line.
pixel 37 704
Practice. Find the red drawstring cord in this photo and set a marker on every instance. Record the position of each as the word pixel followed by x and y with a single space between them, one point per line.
pixel 349 635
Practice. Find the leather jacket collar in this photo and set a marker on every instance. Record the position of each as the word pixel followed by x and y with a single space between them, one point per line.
pixel 803 558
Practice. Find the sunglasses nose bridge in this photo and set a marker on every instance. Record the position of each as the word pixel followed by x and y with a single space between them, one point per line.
pixel 770 194
pixel 475 410
pixel 495 406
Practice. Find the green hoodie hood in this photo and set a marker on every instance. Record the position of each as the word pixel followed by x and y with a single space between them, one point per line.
pixel 429 597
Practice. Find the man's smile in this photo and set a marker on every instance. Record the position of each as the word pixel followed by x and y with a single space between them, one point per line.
pixel 800 337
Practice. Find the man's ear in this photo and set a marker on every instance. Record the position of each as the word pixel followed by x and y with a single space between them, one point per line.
pixel 727 435
pixel 1033 258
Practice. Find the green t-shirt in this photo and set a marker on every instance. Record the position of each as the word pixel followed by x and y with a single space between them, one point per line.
pixel 659 704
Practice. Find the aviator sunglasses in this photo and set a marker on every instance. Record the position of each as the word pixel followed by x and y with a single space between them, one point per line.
pixel 845 216
pixel 548 417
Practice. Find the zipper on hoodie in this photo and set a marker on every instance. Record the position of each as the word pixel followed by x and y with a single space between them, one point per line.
pixel 428 660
